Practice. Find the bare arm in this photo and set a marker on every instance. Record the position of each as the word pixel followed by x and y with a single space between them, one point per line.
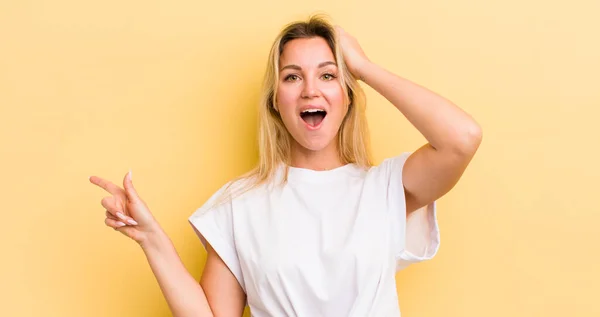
pixel 223 291
pixel 219 294
pixel 453 136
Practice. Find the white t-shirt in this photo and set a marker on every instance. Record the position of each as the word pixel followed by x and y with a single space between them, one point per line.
pixel 328 243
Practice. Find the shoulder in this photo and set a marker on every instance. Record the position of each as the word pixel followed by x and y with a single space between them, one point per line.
pixel 389 167
pixel 231 192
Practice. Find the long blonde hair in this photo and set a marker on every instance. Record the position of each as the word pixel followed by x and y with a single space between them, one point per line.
pixel 274 141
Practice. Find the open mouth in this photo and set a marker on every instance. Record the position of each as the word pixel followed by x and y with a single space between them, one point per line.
pixel 313 117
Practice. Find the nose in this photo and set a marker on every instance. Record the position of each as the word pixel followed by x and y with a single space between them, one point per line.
pixel 310 88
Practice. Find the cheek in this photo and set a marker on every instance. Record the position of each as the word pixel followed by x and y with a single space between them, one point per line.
pixel 287 96
pixel 335 97
pixel 286 103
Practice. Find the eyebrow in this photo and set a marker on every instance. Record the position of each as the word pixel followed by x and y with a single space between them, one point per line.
pixel 292 66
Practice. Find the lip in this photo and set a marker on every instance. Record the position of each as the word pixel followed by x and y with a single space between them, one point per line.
pixel 308 126
pixel 308 107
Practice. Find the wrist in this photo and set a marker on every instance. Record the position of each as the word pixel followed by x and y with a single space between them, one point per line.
pixel 154 240
pixel 363 70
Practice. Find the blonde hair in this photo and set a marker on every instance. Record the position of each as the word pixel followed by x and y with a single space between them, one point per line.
pixel 274 141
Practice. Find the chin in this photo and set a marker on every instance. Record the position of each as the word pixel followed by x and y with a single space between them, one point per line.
pixel 314 147
pixel 316 144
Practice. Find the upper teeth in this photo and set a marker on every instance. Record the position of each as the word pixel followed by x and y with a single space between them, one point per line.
pixel 313 110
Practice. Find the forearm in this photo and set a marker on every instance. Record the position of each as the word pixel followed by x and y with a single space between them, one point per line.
pixel 183 293
pixel 443 124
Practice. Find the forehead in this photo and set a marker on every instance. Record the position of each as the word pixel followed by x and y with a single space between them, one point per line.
pixel 306 52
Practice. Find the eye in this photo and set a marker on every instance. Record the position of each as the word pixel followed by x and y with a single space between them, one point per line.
pixel 291 77
pixel 328 76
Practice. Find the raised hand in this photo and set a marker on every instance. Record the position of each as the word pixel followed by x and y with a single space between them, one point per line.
pixel 126 212
pixel 354 56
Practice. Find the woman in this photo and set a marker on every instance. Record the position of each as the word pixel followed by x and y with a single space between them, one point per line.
pixel 315 229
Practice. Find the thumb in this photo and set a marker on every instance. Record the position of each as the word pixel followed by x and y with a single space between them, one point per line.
pixel 130 191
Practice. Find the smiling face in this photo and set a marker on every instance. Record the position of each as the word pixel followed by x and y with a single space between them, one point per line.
pixel 310 98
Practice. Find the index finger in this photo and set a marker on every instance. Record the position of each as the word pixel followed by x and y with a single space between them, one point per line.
pixel 108 186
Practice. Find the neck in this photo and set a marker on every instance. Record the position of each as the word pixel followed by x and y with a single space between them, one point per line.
pixel 322 160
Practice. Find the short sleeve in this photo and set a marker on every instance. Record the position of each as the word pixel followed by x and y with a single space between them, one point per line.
pixel 213 223
pixel 416 238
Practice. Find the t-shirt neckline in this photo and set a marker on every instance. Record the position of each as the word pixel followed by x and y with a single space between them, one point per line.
pixel 306 174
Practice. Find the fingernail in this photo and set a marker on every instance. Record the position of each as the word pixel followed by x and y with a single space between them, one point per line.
pixel 133 222
pixel 130 177
pixel 120 224
pixel 121 215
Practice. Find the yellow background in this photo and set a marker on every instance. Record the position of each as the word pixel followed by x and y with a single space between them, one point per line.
pixel 170 88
